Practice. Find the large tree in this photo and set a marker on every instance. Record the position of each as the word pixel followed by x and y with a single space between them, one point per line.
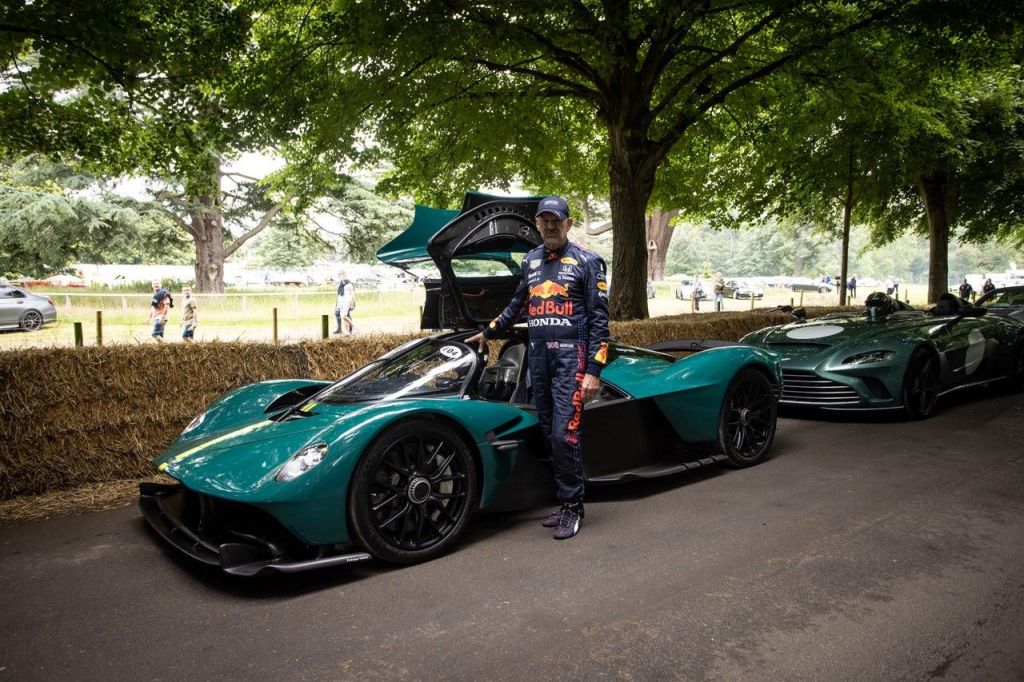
pixel 916 126
pixel 153 89
pixel 486 81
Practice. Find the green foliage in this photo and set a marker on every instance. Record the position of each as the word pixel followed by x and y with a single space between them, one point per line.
pixel 52 215
pixel 788 248
pixel 366 221
pixel 290 248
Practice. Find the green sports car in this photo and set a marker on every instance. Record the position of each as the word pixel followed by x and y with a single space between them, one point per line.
pixel 392 461
pixel 893 357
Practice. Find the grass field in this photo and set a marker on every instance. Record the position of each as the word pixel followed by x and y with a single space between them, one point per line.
pixel 249 316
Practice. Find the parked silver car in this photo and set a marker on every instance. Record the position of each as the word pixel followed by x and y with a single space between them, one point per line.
pixel 20 309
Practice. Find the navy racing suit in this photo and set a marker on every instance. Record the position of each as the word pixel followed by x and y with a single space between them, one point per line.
pixel 564 297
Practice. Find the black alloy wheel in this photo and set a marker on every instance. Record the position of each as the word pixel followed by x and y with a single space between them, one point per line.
pixel 412 492
pixel 746 424
pixel 921 384
pixel 31 320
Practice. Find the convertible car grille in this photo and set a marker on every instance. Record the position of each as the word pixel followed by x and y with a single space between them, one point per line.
pixel 807 388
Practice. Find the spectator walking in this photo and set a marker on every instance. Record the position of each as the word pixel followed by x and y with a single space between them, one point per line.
pixel 851 287
pixel 159 308
pixel 564 295
pixel 966 290
pixel 189 316
pixel 698 292
pixel 987 286
pixel 719 292
pixel 344 305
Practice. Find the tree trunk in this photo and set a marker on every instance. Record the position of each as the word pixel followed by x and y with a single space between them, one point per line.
pixel 659 235
pixel 628 300
pixel 934 189
pixel 209 238
pixel 208 231
pixel 631 167
pixel 847 213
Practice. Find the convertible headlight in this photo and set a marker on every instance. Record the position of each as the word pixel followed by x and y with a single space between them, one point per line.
pixel 869 357
pixel 301 462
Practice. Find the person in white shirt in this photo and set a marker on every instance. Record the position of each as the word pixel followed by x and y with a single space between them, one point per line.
pixel 346 302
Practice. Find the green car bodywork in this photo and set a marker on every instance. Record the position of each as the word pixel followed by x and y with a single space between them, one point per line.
pixel 901 360
pixel 235 450
pixel 237 456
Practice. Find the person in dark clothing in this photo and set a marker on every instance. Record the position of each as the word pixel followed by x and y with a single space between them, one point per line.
pixel 563 295
pixel 966 290
pixel 987 286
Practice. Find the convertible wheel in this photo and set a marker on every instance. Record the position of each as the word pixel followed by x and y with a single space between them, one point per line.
pixel 412 492
pixel 746 424
pixel 921 385
pixel 31 320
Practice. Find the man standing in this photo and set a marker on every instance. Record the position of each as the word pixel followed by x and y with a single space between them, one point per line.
pixel 719 292
pixel 563 294
pixel 345 303
pixel 851 287
pixel 159 308
pixel 189 316
pixel 966 290
pixel 988 286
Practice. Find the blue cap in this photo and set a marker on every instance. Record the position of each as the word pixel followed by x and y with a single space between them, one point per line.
pixel 553 204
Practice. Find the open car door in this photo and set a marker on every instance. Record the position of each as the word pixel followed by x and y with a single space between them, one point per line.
pixel 478 254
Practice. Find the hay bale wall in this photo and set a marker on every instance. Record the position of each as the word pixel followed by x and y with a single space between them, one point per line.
pixel 76 416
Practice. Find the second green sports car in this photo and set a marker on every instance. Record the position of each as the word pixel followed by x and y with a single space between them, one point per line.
pixel 892 357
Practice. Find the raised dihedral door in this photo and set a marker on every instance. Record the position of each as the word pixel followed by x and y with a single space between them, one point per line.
pixel 479 257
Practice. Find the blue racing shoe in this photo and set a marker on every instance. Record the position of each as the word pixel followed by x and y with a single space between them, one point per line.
pixel 569 521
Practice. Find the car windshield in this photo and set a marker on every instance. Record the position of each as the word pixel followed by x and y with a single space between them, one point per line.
pixel 429 367
pixel 1003 299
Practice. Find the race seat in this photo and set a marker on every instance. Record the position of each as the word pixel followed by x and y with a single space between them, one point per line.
pixel 499 381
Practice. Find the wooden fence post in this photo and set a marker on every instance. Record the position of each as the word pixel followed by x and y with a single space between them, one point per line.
pixel 78 334
pixel 275 325
pixel 324 326
pixel 99 327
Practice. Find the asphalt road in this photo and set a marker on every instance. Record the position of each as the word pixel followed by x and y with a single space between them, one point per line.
pixel 873 550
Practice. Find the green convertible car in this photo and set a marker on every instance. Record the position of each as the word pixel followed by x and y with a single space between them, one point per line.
pixel 892 357
pixel 391 461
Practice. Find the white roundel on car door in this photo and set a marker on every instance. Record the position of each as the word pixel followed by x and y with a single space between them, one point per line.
pixel 975 351
pixel 814 332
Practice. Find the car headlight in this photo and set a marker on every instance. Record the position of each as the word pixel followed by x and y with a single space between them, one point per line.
pixel 301 462
pixel 869 357
pixel 194 423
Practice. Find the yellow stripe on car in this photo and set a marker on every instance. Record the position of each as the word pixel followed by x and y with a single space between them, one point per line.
pixel 219 439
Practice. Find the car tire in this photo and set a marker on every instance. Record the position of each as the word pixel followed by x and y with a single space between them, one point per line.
pixel 823 290
pixel 412 492
pixel 31 320
pixel 920 384
pixel 748 417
